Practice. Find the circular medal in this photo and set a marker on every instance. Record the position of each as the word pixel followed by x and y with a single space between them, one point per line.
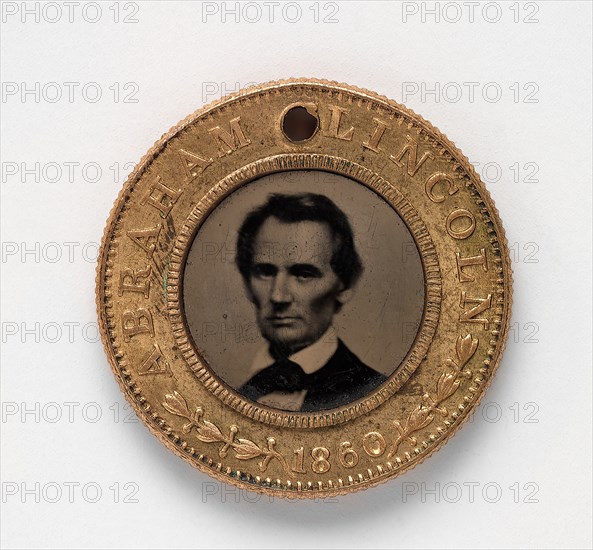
pixel 304 289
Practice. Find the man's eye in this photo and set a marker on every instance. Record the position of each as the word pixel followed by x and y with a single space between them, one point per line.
pixel 263 270
pixel 305 273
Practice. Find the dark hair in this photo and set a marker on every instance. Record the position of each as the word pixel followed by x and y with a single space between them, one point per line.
pixel 296 208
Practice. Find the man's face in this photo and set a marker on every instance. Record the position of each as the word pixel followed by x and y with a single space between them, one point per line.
pixel 292 284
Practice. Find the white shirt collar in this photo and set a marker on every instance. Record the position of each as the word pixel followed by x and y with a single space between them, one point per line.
pixel 310 359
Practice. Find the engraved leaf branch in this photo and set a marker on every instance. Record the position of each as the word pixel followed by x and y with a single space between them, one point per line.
pixel 422 415
pixel 208 432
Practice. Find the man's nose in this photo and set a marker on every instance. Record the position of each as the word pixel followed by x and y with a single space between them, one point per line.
pixel 281 289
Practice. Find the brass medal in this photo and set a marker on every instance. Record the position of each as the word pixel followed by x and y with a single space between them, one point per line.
pixel 304 289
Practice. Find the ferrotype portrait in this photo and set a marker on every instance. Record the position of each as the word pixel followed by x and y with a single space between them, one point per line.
pixel 303 291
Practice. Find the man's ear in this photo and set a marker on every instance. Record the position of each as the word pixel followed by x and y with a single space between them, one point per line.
pixel 345 295
pixel 248 291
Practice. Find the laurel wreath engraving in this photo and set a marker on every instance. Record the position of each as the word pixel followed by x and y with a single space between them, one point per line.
pixel 420 417
pixel 208 432
pixel 446 386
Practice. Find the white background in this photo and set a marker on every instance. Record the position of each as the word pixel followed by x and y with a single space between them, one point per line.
pixel 527 451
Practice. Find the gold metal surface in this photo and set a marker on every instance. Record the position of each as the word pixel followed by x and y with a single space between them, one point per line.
pixel 229 144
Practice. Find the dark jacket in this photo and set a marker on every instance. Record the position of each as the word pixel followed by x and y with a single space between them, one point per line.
pixel 342 380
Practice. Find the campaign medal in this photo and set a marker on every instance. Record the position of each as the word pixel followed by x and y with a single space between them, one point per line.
pixel 304 289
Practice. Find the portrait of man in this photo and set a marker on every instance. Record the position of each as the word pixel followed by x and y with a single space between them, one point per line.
pixel 299 265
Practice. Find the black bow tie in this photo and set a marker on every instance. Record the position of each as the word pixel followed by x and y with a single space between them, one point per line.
pixel 283 376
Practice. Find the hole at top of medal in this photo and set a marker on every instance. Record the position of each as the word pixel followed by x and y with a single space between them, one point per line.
pixel 300 122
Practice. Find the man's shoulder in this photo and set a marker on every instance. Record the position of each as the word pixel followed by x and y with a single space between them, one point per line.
pixel 343 379
pixel 345 361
